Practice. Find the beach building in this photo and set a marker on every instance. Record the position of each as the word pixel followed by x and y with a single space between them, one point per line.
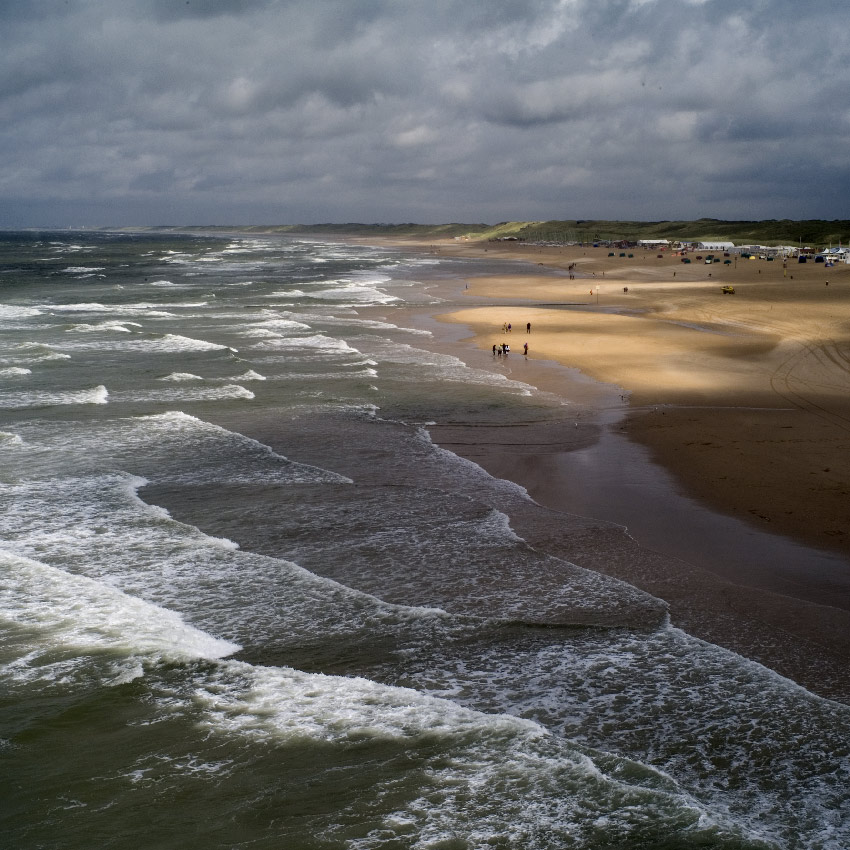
pixel 653 243
pixel 764 251
pixel 787 250
pixel 710 245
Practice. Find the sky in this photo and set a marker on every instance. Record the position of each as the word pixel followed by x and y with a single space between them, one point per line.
pixel 170 112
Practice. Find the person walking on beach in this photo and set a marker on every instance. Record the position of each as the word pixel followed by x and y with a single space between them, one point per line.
pixel 494 349
pixel 525 349
pixel 528 327
pixel 509 327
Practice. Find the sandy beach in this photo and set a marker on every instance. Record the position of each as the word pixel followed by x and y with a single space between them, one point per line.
pixel 743 398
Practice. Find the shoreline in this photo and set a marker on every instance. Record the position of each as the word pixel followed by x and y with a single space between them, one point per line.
pixel 805 639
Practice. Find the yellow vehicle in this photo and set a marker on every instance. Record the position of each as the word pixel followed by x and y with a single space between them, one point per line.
pixel 728 290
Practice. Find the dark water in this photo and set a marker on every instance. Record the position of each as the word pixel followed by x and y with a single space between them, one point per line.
pixel 340 642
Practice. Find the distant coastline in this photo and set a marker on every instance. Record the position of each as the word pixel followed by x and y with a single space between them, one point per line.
pixel 817 233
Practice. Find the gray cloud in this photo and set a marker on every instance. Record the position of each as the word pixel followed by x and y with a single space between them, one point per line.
pixel 232 111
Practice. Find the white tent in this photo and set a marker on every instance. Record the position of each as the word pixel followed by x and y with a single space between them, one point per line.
pixel 715 246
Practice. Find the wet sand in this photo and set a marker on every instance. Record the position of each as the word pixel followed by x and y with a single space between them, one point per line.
pixel 737 407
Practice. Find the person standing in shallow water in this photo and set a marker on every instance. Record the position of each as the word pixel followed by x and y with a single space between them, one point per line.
pixel 525 349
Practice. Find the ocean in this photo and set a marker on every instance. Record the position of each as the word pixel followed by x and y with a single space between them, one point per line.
pixel 248 602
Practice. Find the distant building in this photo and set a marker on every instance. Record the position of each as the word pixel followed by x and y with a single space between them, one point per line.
pixel 653 243
pixel 765 251
pixel 714 246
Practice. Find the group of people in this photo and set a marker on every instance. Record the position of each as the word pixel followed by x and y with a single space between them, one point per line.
pixel 504 349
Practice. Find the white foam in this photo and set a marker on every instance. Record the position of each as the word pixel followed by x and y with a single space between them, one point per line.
pixel 166 344
pixel 9 311
pixel 14 372
pixel 14 401
pixel 118 327
pixel 251 246
pixel 250 375
pixel 291 705
pixel 281 324
pixel 317 342
pixel 8 439
pixel 184 393
pixel 53 355
pixel 357 294
pixel 70 247
pixel 83 307
pixel 138 308
pixel 356 291
pixel 261 333
pixel 327 375
pixel 71 615
pixel 31 352
pixel 83 269
pixel 372 324
pixel 181 376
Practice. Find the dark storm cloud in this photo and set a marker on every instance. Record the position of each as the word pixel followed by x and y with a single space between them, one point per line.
pixel 272 110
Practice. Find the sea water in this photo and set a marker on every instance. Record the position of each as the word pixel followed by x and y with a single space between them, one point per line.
pixel 246 601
